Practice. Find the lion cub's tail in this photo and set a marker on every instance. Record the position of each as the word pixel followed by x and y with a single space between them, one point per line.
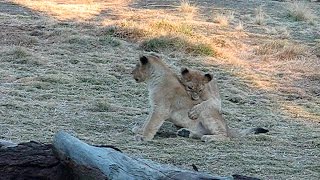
pixel 240 133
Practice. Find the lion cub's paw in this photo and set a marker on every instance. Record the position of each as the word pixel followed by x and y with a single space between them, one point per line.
pixel 138 138
pixel 207 138
pixel 183 132
pixel 194 113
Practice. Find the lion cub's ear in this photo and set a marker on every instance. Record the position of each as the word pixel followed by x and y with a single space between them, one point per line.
pixel 184 71
pixel 185 74
pixel 144 60
pixel 207 78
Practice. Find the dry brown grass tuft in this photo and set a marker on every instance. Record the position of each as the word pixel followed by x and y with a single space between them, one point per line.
pixel 177 43
pixel 83 83
pixel 239 27
pixel 223 18
pixel 282 50
pixel 300 11
pixel 164 27
pixel 128 30
pixel 187 7
pixel 260 16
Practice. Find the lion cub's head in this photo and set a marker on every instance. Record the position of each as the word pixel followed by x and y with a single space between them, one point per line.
pixel 194 82
pixel 143 68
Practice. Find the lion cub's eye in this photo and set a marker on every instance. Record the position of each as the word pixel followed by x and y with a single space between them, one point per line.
pixel 189 87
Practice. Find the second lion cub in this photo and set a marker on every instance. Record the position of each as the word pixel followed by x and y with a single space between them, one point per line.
pixel 203 87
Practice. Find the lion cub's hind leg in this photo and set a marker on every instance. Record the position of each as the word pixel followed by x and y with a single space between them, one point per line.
pixel 184 132
pixel 196 133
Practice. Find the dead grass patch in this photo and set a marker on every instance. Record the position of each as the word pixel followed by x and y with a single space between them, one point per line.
pixel 300 112
pixel 300 11
pixel 165 27
pixel 20 55
pixel 187 7
pixel 239 27
pixel 223 18
pixel 100 105
pixel 282 50
pixel 174 43
pixel 65 10
pixel 259 16
pixel 133 33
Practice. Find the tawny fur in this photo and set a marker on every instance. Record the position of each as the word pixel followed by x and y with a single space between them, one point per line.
pixel 170 101
pixel 203 87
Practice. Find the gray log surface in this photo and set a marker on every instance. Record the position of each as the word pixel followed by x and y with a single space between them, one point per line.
pixel 90 162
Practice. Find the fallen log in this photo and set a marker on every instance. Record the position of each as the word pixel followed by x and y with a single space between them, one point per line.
pixel 90 162
pixel 29 161
pixel 68 158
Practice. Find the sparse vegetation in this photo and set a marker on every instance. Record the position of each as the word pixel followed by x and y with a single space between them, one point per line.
pixel 259 16
pixel 65 65
pixel 223 18
pixel 282 50
pixel 100 106
pixel 129 33
pixel 187 7
pixel 170 44
pixel 239 27
pixel 172 27
pixel 300 11
pixel 109 40
pixel 19 53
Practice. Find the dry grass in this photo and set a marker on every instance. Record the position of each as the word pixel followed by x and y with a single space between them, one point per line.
pixel 75 76
pixel 282 50
pixel 300 11
pixel 187 7
pixel 223 18
pixel 163 36
pixel 76 10
pixel 239 27
pixel 259 16
pixel 167 44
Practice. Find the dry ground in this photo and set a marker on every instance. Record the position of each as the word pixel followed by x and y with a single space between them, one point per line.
pixel 65 65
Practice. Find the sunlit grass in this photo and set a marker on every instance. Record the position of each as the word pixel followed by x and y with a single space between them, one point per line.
pixel 297 111
pixel 223 18
pixel 170 44
pixel 187 7
pixel 75 76
pixel 67 10
pixel 282 50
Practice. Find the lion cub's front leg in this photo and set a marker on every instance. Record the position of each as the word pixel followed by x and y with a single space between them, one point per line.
pixel 205 105
pixel 152 125
pixel 195 111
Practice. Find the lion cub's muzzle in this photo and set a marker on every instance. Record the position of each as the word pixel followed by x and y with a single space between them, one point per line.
pixel 195 96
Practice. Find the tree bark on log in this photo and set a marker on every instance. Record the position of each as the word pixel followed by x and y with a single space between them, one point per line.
pixel 71 159
pixel 90 162
pixel 30 161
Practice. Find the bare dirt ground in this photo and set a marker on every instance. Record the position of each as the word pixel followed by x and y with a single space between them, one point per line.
pixel 61 69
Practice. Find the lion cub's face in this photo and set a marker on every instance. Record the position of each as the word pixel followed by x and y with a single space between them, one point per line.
pixel 140 72
pixel 194 82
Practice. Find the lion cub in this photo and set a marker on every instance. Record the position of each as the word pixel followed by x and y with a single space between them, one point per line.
pixel 167 96
pixel 203 86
